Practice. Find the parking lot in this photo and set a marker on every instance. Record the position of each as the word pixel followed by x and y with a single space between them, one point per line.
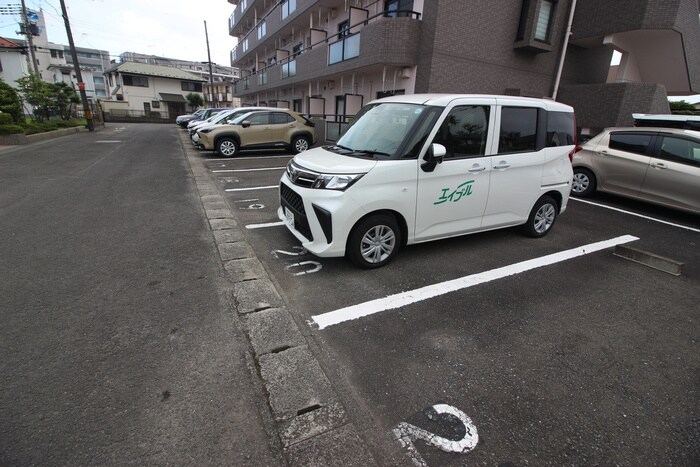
pixel 496 348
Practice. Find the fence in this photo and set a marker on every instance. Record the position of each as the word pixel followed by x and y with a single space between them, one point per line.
pixel 137 116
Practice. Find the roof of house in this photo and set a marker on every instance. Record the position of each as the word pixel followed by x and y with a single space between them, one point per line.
pixel 8 43
pixel 154 70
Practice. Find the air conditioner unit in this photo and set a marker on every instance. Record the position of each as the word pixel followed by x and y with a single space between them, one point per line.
pixel 406 72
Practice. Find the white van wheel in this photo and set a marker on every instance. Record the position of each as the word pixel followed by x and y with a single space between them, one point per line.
pixel 374 241
pixel 542 217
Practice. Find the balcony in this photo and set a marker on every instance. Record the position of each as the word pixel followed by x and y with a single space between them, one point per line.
pixel 284 15
pixel 384 41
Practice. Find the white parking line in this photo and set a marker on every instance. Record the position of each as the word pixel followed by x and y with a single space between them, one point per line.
pixel 692 229
pixel 406 298
pixel 246 170
pixel 252 188
pixel 261 157
pixel 262 226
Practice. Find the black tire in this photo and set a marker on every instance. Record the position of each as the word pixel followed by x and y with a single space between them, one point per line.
pixel 374 241
pixel 227 147
pixel 300 144
pixel 542 217
pixel 584 182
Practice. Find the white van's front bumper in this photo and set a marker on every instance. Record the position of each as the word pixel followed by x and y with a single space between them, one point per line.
pixel 320 219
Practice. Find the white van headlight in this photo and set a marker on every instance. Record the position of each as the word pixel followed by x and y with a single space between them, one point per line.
pixel 335 182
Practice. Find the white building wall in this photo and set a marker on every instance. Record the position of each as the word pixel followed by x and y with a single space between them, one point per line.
pixel 14 66
pixel 136 96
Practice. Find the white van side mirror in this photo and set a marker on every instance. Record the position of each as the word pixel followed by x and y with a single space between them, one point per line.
pixel 434 156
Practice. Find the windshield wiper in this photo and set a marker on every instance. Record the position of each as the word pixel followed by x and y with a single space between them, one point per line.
pixel 373 153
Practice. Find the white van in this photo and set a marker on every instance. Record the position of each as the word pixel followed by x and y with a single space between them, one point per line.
pixel 423 167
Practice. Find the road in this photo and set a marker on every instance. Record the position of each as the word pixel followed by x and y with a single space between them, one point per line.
pixel 117 343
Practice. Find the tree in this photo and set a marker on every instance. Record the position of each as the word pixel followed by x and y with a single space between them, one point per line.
pixel 10 102
pixel 195 100
pixel 62 97
pixel 36 93
pixel 681 105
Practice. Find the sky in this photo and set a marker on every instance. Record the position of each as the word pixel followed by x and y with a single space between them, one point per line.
pixel 168 28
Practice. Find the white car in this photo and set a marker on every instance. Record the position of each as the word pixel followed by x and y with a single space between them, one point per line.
pixel 417 168
pixel 193 126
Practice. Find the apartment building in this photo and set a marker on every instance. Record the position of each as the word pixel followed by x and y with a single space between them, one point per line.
pixel 329 57
pixel 216 94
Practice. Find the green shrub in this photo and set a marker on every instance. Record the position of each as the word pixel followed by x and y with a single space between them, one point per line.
pixel 10 129
pixel 39 127
pixel 6 119
pixel 69 123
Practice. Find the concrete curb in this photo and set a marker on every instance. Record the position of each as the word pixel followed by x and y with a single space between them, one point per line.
pixel 311 423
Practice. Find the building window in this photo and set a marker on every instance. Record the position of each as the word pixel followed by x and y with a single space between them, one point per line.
pixel 187 86
pixel 344 29
pixel 288 7
pixel 262 29
pixel 155 104
pixel 245 44
pixel 138 81
pixel 99 80
pixel 398 8
pixel 544 20
pixel 297 49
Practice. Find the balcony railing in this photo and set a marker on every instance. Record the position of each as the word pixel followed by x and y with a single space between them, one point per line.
pixel 336 52
pixel 289 69
pixel 344 49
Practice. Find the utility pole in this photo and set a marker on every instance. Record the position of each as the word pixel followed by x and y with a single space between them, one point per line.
pixel 76 65
pixel 30 41
pixel 211 75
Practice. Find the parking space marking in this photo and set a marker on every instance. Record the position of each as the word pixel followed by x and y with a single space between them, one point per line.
pixel 406 298
pixel 246 170
pixel 252 188
pixel 680 226
pixel 262 226
pixel 261 157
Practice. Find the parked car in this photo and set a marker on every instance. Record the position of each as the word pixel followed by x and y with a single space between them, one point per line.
pixel 201 114
pixel 223 118
pixel 685 122
pixel 417 168
pixel 268 129
pixel 658 165
pixel 194 125
pixel 183 120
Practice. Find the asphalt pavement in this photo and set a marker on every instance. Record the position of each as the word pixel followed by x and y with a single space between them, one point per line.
pixel 118 340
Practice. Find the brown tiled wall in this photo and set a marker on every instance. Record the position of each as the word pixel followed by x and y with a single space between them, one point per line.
pixel 604 105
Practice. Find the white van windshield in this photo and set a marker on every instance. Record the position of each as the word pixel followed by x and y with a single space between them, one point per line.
pixel 380 130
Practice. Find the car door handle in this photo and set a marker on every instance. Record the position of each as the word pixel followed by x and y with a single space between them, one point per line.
pixel 476 169
pixel 501 165
pixel 658 165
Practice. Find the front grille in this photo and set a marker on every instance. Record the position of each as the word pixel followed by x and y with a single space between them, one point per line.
pixel 291 200
pixel 301 176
